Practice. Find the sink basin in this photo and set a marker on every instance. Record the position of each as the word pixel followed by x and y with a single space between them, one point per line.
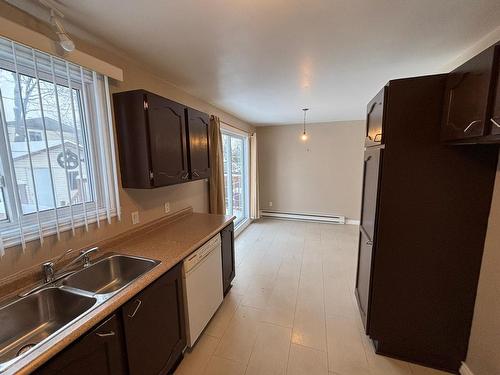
pixel 109 274
pixel 29 320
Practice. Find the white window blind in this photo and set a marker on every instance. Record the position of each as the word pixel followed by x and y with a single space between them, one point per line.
pixel 57 169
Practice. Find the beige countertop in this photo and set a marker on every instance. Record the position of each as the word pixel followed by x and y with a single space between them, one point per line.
pixel 168 241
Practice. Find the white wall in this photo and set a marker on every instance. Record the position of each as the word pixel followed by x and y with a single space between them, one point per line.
pixel 321 175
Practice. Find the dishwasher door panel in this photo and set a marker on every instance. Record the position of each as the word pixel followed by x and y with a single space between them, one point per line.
pixel 202 293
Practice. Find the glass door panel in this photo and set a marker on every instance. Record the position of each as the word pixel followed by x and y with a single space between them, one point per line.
pixel 235 148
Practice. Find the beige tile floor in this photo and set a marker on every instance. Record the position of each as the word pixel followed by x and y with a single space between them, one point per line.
pixel 292 309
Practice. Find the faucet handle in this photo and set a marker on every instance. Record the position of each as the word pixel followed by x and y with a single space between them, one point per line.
pixel 48 272
pixel 85 254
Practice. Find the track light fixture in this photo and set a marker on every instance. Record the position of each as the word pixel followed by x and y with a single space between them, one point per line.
pixel 55 21
pixel 64 40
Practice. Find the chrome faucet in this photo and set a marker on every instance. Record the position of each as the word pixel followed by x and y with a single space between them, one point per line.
pixel 85 255
pixel 48 271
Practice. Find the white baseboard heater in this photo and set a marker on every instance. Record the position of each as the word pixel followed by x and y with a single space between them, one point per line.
pixel 305 217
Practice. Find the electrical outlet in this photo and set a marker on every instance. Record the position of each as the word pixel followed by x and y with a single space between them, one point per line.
pixel 270 204
pixel 167 207
pixel 135 217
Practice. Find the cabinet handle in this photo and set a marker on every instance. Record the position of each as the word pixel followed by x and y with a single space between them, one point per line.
pixel 369 243
pixel 105 334
pixel 471 125
pixel 184 176
pixel 195 174
pixel 139 303
pixel 495 122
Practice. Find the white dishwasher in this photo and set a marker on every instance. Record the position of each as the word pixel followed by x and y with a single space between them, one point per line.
pixel 202 276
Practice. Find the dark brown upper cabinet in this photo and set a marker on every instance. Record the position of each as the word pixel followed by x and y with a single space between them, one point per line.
pixel 151 136
pixel 495 108
pixel 471 101
pixel 374 117
pixel 198 125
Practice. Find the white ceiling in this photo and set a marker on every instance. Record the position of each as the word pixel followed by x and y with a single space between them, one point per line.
pixel 264 60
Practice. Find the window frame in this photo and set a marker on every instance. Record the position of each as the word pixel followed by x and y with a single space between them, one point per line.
pixel 98 151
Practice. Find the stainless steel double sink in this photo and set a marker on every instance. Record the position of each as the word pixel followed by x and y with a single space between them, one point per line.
pixel 27 322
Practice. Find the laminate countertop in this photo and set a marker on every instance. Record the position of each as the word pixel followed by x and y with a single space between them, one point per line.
pixel 169 241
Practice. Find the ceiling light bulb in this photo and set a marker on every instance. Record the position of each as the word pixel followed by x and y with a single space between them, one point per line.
pixel 304 136
pixel 66 43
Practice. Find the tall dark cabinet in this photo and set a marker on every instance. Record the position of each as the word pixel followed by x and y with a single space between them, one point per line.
pixel 424 216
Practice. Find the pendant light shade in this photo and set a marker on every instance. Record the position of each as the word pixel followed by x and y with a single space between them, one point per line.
pixel 304 133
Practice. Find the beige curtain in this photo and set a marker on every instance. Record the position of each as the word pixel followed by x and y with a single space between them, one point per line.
pixel 217 191
pixel 254 179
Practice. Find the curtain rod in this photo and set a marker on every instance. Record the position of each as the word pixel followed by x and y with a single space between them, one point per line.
pixel 235 127
pixel 227 123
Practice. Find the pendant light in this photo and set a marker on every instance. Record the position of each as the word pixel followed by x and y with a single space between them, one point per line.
pixel 304 134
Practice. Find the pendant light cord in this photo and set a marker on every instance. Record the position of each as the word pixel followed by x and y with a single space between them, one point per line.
pixel 305 111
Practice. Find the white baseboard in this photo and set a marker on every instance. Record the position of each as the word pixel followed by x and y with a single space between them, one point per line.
pixel 325 218
pixel 464 370
pixel 352 222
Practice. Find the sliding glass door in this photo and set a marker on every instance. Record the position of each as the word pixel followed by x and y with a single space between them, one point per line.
pixel 236 175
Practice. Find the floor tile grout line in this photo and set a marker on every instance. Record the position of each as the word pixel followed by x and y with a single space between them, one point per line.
pixel 324 311
pixel 310 348
pixel 295 309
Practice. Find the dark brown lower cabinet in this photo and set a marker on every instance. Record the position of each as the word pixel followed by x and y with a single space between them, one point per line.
pixel 228 262
pixel 153 323
pixel 99 352
pixel 148 335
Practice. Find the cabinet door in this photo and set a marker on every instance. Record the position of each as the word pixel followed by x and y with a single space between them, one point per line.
pixel 167 138
pixel 495 111
pixel 371 172
pixel 99 352
pixel 132 138
pixel 154 326
pixel 198 136
pixel 363 277
pixel 374 119
pixel 228 261
pixel 466 98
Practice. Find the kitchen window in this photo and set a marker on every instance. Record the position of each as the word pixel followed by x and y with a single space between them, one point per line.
pixel 236 175
pixel 57 169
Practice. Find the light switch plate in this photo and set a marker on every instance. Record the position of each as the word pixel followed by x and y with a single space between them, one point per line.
pixel 135 217
pixel 167 207
pixel 270 204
